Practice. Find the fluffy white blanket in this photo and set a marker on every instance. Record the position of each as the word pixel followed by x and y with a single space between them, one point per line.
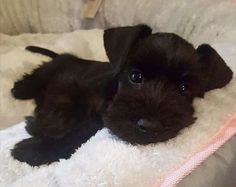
pixel 104 160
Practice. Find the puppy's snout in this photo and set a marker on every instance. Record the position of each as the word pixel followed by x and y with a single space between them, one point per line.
pixel 145 125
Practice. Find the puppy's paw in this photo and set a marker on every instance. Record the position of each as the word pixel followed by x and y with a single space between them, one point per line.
pixel 18 91
pixel 25 88
pixel 33 152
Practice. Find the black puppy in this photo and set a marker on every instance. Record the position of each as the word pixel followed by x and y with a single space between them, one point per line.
pixel 144 96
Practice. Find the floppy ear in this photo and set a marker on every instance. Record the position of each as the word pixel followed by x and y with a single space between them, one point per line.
pixel 119 41
pixel 215 72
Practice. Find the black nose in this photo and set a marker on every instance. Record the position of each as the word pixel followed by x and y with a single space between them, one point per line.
pixel 145 125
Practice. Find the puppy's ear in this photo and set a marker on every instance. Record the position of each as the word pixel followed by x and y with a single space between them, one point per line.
pixel 215 72
pixel 119 41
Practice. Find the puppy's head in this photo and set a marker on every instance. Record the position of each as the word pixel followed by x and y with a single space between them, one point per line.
pixel 159 76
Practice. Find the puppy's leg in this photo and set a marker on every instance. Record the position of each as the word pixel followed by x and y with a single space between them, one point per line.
pixel 44 150
pixel 27 87
pixel 65 104
pixel 62 122
pixel 31 85
pixel 36 151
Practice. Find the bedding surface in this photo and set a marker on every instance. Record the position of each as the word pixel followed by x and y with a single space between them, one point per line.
pixel 105 160
pixel 217 171
pixel 199 21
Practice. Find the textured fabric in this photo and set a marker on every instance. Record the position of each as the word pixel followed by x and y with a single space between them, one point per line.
pixel 217 171
pixel 211 146
pixel 206 20
pixel 43 16
pixel 198 21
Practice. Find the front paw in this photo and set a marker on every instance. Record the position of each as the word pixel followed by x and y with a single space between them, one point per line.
pixel 25 88
pixel 32 152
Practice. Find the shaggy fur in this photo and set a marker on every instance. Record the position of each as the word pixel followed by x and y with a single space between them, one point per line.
pixel 69 96
pixel 145 97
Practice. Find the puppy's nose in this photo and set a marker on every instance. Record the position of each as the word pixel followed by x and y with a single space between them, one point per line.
pixel 145 125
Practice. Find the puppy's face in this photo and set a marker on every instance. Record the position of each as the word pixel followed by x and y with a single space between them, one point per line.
pixel 159 76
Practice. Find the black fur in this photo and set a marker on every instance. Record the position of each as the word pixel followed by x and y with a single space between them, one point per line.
pixel 70 95
pixel 144 96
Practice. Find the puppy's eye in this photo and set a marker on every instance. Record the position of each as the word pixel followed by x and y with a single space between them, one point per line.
pixel 136 77
pixel 141 126
pixel 184 90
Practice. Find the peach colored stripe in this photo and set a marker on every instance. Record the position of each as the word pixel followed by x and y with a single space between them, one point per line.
pixel 214 143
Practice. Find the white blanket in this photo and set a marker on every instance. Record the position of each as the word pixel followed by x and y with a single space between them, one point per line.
pixel 104 160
